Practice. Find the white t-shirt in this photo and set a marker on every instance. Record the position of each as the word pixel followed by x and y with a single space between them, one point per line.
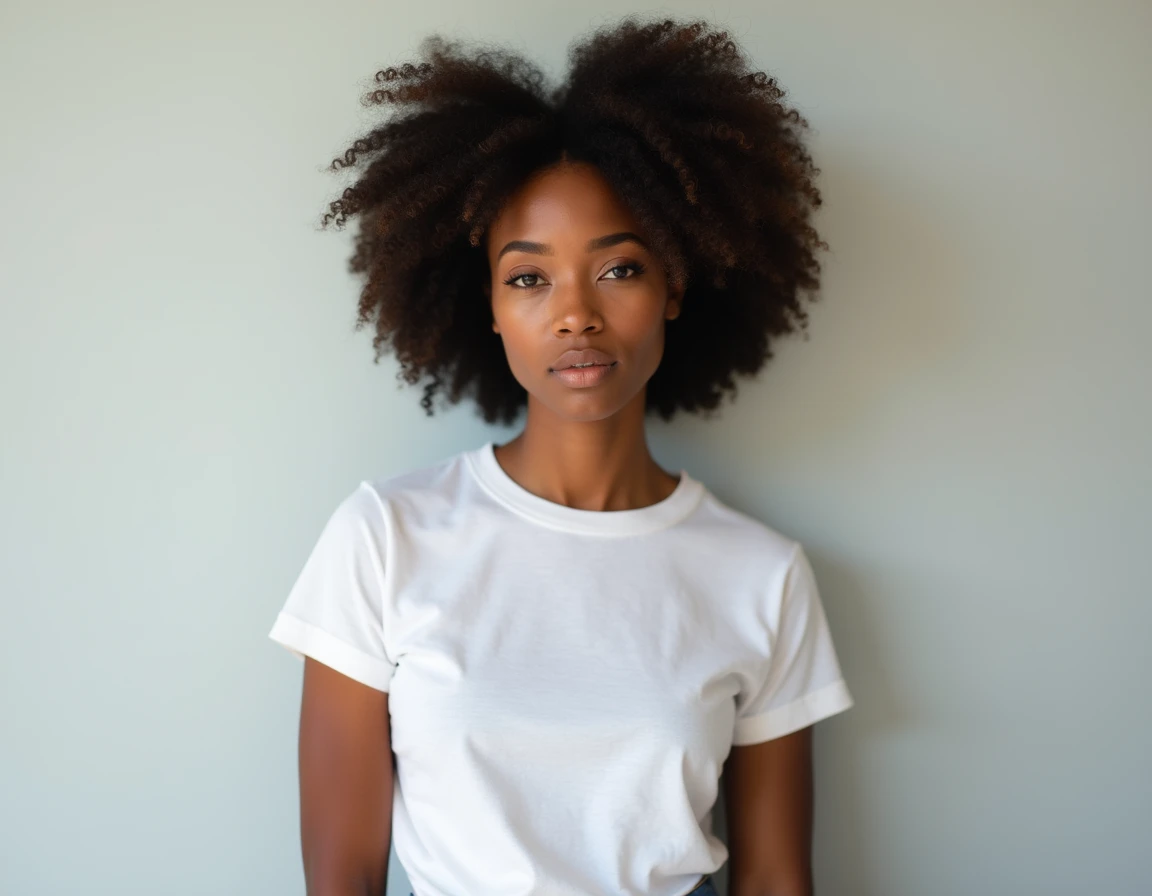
pixel 564 684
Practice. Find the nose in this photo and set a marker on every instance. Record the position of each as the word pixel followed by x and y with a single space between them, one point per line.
pixel 576 310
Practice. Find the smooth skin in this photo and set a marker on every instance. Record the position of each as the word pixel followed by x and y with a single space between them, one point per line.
pixel 565 258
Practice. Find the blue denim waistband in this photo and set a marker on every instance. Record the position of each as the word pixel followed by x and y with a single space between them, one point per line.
pixel 705 888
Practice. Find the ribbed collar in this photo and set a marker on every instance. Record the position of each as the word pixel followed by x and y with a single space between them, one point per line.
pixel 494 480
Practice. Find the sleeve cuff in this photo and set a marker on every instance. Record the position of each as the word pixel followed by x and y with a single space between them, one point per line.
pixel 302 639
pixel 809 709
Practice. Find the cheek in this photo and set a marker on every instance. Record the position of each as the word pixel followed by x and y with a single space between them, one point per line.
pixel 643 324
pixel 649 339
pixel 516 339
pixel 655 351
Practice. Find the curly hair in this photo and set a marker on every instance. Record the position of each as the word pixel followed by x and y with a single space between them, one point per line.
pixel 701 150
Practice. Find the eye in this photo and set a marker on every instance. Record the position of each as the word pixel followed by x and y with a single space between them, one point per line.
pixel 511 281
pixel 629 266
pixel 535 279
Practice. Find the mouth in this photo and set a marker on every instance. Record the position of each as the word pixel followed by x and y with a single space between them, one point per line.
pixel 583 376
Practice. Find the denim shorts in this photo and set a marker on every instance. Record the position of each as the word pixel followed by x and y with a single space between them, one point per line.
pixel 704 888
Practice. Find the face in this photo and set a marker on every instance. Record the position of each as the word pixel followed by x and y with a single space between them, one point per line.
pixel 570 272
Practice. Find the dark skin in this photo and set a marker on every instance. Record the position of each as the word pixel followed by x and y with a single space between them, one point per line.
pixel 572 251
pixel 583 447
pixel 346 784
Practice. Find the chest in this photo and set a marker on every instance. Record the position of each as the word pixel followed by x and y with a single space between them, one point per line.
pixel 566 651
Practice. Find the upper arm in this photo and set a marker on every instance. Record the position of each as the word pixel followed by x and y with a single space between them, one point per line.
pixel 768 774
pixel 346 783
pixel 768 806
pixel 336 618
pixel 800 681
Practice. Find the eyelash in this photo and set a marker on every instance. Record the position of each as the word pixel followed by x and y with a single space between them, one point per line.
pixel 631 265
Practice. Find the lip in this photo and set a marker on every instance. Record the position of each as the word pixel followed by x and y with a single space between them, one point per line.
pixel 582 356
pixel 583 377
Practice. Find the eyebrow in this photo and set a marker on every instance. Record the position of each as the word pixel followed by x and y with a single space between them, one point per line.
pixel 601 242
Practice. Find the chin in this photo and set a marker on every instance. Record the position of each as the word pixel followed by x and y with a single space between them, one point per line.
pixel 585 407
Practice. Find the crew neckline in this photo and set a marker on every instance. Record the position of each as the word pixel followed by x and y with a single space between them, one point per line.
pixel 638 520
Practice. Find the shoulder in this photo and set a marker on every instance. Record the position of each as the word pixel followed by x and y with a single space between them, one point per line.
pixel 423 492
pixel 736 531
pixel 379 509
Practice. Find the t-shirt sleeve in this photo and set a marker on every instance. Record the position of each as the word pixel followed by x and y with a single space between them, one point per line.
pixel 800 682
pixel 335 611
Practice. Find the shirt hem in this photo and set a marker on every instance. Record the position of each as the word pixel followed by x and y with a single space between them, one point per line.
pixel 809 709
pixel 302 639
pixel 696 886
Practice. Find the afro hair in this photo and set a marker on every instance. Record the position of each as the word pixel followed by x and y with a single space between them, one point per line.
pixel 702 150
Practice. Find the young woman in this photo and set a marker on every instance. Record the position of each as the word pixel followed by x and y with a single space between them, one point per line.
pixel 528 663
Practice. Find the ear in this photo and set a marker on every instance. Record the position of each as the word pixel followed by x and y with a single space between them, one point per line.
pixel 675 304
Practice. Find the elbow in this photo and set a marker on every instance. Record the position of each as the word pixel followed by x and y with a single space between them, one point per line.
pixel 338 879
pixel 347 887
pixel 796 890
pixel 792 886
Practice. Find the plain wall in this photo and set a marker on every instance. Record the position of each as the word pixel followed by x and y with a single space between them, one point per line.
pixel 963 443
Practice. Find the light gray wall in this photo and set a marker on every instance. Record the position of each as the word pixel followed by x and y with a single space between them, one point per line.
pixel 963 444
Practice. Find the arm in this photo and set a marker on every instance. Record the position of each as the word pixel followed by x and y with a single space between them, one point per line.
pixel 768 805
pixel 345 755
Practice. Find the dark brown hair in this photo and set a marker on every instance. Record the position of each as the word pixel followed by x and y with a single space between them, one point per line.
pixel 704 152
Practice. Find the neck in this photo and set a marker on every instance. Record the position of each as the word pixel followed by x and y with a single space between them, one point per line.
pixel 588 465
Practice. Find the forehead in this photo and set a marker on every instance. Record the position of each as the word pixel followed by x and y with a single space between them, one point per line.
pixel 565 203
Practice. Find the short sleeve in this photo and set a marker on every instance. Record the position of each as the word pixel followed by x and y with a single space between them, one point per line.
pixel 801 682
pixel 335 611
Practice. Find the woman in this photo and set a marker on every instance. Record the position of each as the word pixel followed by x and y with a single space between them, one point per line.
pixel 561 643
